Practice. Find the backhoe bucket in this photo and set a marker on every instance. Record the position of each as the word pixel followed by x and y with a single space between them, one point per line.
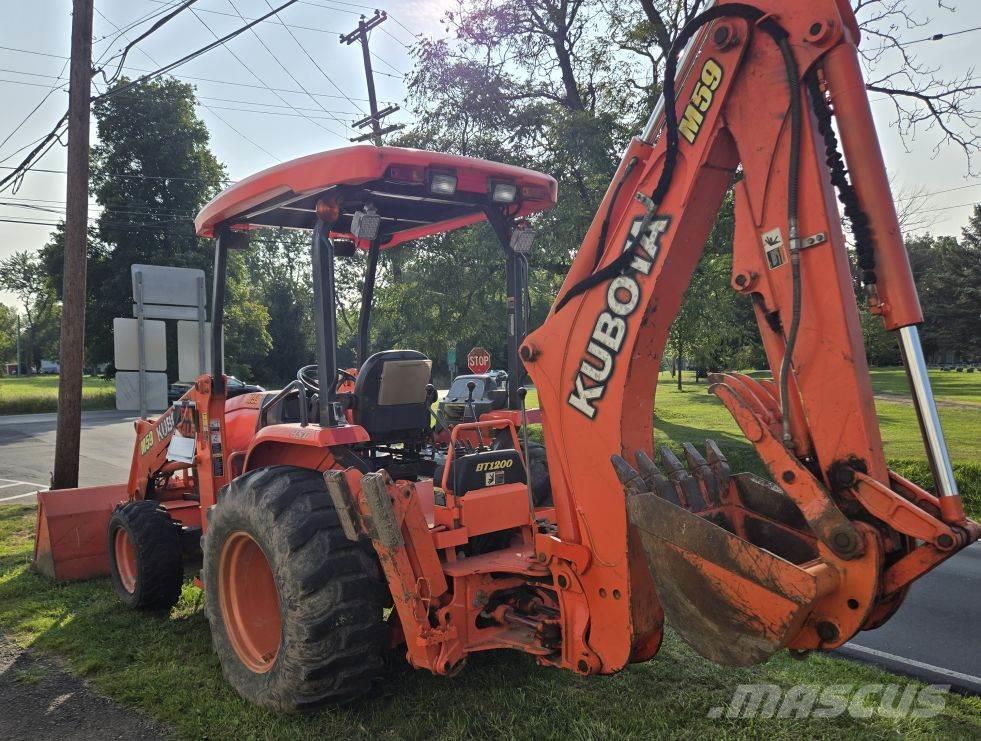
pixel 736 578
pixel 71 541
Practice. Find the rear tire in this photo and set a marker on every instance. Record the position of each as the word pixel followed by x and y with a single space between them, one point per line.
pixel 146 561
pixel 308 630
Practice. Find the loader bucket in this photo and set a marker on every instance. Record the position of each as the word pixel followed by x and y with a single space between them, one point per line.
pixel 71 541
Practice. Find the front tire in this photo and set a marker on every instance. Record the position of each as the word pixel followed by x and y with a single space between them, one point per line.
pixel 146 562
pixel 295 608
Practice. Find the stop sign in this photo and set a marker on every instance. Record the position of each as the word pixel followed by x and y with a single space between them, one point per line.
pixel 478 360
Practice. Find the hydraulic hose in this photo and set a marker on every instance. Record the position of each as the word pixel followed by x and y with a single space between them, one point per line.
pixel 793 231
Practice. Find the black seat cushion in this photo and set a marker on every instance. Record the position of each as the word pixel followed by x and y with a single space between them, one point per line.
pixel 390 396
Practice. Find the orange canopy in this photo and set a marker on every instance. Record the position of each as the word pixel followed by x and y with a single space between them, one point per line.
pixel 394 180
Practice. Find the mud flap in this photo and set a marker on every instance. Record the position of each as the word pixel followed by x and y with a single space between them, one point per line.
pixel 733 602
pixel 71 540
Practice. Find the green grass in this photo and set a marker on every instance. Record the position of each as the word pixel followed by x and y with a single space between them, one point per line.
pixel 947 385
pixel 692 414
pixel 163 664
pixel 36 394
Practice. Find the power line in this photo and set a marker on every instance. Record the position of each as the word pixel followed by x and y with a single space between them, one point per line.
pixel 195 54
pixel 192 78
pixel 234 15
pixel 156 26
pixel 221 118
pixel 317 66
pixel 292 76
pixel 264 83
pixel 36 108
pixel 137 176
pixel 934 37
pixel 48 142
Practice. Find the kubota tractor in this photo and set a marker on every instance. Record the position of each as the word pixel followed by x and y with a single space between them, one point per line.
pixel 325 504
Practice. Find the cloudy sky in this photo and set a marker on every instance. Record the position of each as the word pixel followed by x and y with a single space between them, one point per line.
pixel 254 127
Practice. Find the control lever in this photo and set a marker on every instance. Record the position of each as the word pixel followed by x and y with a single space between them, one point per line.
pixel 471 385
pixel 431 396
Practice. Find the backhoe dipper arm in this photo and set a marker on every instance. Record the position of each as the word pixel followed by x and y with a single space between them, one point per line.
pixel 755 95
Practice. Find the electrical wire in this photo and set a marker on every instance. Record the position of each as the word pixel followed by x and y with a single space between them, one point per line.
pixel 266 85
pixel 156 26
pixel 221 118
pixel 317 66
pixel 192 78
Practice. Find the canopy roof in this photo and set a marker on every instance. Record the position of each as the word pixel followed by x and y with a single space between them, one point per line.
pixel 394 180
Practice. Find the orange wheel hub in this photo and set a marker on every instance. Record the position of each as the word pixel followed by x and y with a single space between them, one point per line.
pixel 125 559
pixel 249 602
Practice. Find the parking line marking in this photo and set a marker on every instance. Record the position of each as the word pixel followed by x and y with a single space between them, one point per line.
pixel 19 496
pixel 911 662
pixel 7 486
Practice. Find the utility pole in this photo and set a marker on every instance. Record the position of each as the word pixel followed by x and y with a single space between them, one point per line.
pixel 373 120
pixel 76 226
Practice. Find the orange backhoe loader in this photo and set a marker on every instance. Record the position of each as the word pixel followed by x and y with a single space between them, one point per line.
pixel 325 504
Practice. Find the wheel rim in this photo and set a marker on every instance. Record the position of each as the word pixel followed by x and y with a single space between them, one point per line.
pixel 249 602
pixel 125 559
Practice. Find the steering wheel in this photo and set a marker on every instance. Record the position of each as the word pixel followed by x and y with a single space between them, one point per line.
pixel 308 376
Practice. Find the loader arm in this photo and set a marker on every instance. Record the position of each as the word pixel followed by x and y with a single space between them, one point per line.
pixel 738 573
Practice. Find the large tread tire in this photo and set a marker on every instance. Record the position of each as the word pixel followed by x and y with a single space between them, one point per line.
pixel 331 592
pixel 152 569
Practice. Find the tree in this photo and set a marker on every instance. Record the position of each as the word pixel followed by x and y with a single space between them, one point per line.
pixel 24 275
pixel 8 333
pixel 152 170
pixel 278 265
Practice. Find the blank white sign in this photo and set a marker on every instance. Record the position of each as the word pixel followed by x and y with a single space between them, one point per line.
pixel 166 285
pixel 188 367
pixel 128 391
pixel 126 346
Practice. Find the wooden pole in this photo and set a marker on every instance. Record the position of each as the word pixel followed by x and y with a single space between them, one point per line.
pixel 72 354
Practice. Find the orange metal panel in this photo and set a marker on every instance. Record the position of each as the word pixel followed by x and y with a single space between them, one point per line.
pixel 495 508
pixel 72 531
pixel 361 164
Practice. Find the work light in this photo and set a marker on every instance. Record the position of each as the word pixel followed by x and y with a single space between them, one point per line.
pixel 442 183
pixel 522 238
pixel 366 223
pixel 503 192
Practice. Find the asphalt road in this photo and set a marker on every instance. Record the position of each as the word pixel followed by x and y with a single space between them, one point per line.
pixel 936 635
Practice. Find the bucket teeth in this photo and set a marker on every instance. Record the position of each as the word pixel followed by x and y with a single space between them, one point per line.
pixel 719 463
pixel 686 484
pixel 631 480
pixel 655 480
pixel 699 468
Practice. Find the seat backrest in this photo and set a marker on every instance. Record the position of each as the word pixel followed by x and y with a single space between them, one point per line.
pixel 486 468
pixel 390 399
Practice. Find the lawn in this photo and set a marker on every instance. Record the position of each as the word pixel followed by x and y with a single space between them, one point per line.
pixel 947 385
pixel 164 665
pixel 35 394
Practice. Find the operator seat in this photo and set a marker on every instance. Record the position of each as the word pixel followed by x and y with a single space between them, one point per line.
pixel 390 396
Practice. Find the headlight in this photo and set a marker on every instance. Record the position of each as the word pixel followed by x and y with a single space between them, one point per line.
pixel 503 192
pixel 442 183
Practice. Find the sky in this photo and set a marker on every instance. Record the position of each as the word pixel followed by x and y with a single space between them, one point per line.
pixel 253 127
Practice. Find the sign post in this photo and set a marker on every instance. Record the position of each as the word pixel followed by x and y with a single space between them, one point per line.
pixel 451 361
pixel 478 360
